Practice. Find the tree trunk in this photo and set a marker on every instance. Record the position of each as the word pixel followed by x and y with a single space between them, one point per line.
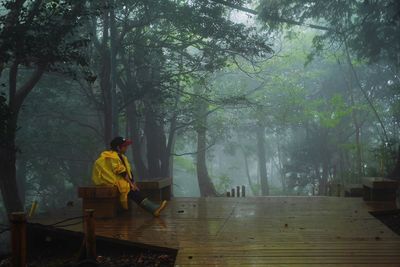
pixel 140 167
pixel 280 166
pixel 8 148
pixel 262 159
pixel 205 184
pixel 113 69
pixel 157 154
pixel 21 179
pixel 129 89
pixel 357 131
pixel 247 171
pixel 105 81
pixel 169 158
pixel 8 181
pixel 153 143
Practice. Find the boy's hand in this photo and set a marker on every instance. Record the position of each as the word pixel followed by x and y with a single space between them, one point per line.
pixel 134 186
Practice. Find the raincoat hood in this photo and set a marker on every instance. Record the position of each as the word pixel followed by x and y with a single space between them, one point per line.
pixel 109 154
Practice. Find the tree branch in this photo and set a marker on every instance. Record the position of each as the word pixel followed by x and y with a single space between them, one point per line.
pixel 24 90
pixel 13 83
pixel 193 153
pixel 287 21
pixel 386 139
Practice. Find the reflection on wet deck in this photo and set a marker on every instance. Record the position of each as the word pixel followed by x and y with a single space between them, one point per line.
pixel 265 231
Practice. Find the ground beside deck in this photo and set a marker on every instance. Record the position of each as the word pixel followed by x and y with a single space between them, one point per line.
pixel 263 231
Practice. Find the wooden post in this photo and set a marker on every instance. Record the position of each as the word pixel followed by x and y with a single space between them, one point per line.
pixel 233 192
pixel 90 236
pixel 18 239
pixel 238 191
pixel 228 194
pixel 243 191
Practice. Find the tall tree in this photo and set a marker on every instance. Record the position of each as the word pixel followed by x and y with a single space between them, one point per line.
pixel 262 161
pixel 205 184
pixel 159 50
pixel 38 35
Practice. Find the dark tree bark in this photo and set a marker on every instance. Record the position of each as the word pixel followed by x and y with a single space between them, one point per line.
pixel 8 182
pixel 171 143
pixel 153 143
pixel 357 127
pixel 262 159
pixel 113 68
pixel 158 148
pixel 205 184
pixel 247 171
pixel 15 54
pixel 129 89
pixel 105 80
pixel 280 168
pixel 8 149
pixel 21 179
pixel 133 123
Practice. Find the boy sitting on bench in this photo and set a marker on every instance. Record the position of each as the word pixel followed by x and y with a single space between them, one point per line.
pixel 113 168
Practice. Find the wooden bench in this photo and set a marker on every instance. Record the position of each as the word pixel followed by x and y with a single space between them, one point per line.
pixel 156 189
pixel 354 190
pixel 379 189
pixel 103 199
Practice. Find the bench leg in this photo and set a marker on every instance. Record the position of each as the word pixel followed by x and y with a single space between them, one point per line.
pixel 166 193
pixel 367 193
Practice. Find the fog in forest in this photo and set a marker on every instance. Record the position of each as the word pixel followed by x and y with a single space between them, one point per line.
pixel 288 98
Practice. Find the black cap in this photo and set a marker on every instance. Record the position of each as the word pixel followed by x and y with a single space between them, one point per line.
pixel 119 142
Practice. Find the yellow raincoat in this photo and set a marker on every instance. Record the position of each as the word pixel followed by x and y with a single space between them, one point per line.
pixel 107 170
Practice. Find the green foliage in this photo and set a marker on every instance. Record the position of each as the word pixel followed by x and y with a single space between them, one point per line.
pixel 331 118
pixel 371 28
pixel 185 164
pixel 384 156
pixel 223 183
pixel 40 32
pixel 58 140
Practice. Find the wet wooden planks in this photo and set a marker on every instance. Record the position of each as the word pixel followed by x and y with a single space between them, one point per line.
pixel 265 231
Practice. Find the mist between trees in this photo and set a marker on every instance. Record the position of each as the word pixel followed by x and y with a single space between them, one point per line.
pixel 285 97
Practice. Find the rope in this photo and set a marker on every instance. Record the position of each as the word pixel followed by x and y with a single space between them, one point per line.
pixel 70 224
pixel 58 224
pixel 66 220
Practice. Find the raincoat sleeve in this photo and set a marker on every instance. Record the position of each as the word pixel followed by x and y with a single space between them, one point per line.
pixel 117 167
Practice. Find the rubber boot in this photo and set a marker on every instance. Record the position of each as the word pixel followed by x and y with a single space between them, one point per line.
pixel 152 207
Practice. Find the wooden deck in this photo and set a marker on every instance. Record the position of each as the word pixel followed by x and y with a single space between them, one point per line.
pixel 264 231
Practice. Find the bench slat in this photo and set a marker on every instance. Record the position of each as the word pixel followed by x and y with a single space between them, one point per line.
pixel 379 183
pixel 154 184
pixel 98 192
